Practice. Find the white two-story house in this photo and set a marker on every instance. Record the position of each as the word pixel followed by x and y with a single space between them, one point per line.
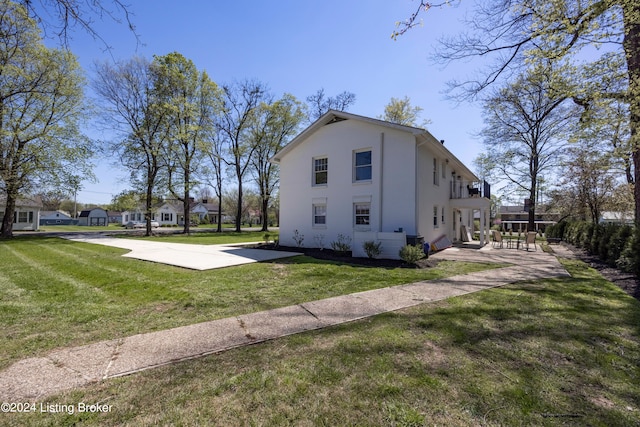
pixel 367 179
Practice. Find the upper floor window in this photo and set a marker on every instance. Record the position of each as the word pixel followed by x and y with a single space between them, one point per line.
pixel 362 166
pixel 320 171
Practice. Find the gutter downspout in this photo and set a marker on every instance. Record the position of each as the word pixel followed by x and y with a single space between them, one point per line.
pixel 381 185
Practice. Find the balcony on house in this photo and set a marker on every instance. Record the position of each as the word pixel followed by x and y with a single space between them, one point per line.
pixel 461 189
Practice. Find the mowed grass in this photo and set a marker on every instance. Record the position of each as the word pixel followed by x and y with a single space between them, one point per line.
pixel 57 293
pixel 214 238
pixel 545 353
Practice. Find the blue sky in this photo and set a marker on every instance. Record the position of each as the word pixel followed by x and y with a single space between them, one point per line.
pixel 298 47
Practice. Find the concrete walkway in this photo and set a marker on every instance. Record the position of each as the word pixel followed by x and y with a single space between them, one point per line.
pixel 68 368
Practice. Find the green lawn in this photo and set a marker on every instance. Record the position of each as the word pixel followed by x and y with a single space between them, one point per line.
pixel 545 353
pixel 57 293
pixel 214 238
pixel 76 228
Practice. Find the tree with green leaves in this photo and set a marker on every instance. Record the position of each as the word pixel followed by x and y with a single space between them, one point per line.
pixel 189 100
pixel 276 124
pixel 401 111
pixel 41 104
pixel 130 107
pixel 515 31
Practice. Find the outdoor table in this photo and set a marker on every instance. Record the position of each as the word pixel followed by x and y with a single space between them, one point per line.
pixel 510 240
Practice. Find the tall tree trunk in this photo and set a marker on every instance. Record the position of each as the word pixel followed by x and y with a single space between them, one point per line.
pixel 239 209
pixel 6 230
pixel 148 204
pixel 219 229
pixel 265 215
pixel 631 44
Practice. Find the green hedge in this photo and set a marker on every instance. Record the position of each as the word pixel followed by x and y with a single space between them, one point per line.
pixel 617 245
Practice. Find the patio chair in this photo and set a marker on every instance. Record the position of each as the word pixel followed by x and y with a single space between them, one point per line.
pixel 531 240
pixel 497 238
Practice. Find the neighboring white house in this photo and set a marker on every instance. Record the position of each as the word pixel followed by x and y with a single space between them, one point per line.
pixel 26 216
pixel 94 216
pixel 616 217
pixel 169 212
pixel 368 179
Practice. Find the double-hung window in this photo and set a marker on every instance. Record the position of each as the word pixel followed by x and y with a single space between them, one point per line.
pixel 319 215
pixel 362 214
pixel 320 171
pixel 362 166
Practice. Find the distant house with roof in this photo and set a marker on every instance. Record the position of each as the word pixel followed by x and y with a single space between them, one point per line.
pixel 93 217
pixel 212 211
pixel 56 218
pixel 516 218
pixel 26 216
pixel 618 218
pixel 115 217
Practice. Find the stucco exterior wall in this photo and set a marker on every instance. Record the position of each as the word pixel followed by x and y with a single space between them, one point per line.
pixel 389 192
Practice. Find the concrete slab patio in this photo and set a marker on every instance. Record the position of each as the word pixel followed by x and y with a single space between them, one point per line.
pixel 65 369
pixel 195 257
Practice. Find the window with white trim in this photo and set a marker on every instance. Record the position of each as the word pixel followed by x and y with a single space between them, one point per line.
pixel 435 217
pixel 320 215
pixel 362 166
pixel 167 216
pixel 23 216
pixel 320 171
pixel 436 177
pixel 362 214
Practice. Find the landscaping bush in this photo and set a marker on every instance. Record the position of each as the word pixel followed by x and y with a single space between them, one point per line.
pixel 372 248
pixel 412 254
pixel 617 244
pixel 606 234
pixel 629 260
pixel 557 231
pixel 342 245
pixel 298 238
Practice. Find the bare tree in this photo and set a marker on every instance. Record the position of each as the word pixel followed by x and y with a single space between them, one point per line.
pixel 510 31
pixel 239 113
pixel 61 16
pixel 320 104
pixel 215 150
pixel 525 125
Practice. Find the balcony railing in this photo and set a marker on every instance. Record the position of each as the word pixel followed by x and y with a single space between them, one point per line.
pixel 468 189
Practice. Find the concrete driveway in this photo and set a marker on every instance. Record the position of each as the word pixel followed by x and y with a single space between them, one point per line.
pixel 195 257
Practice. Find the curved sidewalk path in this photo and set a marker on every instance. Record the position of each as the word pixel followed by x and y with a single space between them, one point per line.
pixel 68 368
